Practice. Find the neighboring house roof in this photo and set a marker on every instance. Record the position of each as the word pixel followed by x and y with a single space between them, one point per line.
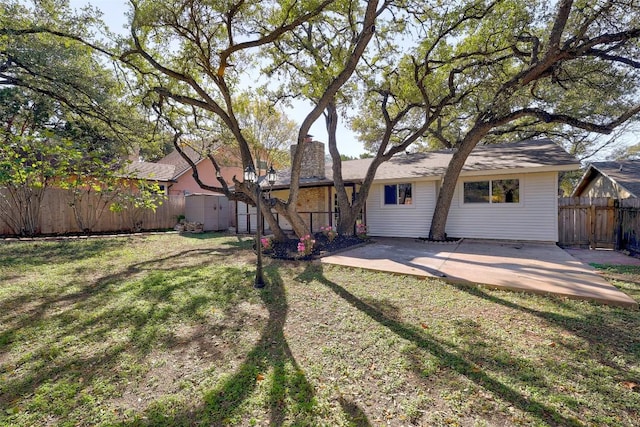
pixel 624 173
pixel 180 165
pixel 541 154
pixel 169 168
pixel 150 171
pixel 223 157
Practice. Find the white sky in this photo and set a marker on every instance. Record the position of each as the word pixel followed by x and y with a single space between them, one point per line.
pixel 114 16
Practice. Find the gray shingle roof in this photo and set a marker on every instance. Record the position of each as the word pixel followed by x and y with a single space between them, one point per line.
pixel 180 165
pixel 150 171
pixel 529 154
pixel 625 173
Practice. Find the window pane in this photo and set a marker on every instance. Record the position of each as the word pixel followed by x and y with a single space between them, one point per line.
pixel 476 192
pixel 404 194
pixel 390 194
pixel 505 191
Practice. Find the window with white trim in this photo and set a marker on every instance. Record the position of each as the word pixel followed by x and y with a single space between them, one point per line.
pixel 492 191
pixel 398 194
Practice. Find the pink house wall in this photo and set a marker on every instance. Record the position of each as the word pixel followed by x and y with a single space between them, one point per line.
pixel 187 185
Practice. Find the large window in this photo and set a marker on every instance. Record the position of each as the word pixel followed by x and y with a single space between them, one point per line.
pixel 398 194
pixel 492 191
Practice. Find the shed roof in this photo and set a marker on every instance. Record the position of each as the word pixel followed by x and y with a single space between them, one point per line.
pixel 540 154
pixel 625 173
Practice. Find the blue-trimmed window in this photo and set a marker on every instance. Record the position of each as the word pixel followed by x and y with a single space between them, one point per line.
pixel 398 194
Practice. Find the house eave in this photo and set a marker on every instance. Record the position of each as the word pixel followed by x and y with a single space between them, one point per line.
pixel 178 175
pixel 585 179
pixel 537 169
pixel 311 184
pixel 484 172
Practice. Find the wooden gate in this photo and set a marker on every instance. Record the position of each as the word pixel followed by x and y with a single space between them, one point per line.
pixel 587 222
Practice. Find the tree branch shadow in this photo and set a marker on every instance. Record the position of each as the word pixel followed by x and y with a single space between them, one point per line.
pixel 288 382
pixel 355 415
pixel 453 361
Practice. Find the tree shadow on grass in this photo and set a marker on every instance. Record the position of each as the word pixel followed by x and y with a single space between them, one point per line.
pixel 289 395
pixel 354 414
pixel 13 313
pixel 42 252
pixel 616 331
pixel 455 362
pixel 77 312
pixel 268 369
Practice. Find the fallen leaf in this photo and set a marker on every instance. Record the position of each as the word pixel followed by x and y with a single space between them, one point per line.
pixel 424 325
pixel 13 411
pixel 260 377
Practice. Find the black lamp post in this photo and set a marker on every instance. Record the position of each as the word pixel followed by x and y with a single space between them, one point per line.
pixel 250 175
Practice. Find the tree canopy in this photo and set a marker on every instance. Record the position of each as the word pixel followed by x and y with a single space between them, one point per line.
pixel 41 52
pixel 503 70
pixel 406 75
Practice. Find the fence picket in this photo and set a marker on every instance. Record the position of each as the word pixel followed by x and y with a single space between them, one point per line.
pixel 599 223
pixel 57 217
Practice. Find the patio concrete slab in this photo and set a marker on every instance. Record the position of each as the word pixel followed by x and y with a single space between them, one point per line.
pixel 603 256
pixel 527 267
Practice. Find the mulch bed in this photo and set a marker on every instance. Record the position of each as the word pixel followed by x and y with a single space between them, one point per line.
pixel 289 249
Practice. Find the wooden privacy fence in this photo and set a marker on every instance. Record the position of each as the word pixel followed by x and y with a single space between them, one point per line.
pixel 629 232
pixel 599 223
pixel 58 217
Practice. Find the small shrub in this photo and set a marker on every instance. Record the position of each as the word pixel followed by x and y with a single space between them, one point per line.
pixel 329 232
pixel 267 243
pixel 305 245
pixel 361 230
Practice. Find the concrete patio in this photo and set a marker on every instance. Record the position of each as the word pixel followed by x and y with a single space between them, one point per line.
pixel 539 268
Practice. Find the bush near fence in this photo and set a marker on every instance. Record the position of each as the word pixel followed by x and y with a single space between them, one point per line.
pixel 57 216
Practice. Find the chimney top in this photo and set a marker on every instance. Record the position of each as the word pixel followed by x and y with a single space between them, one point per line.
pixel 312 158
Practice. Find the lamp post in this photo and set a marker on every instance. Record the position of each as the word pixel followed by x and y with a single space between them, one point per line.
pixel 250 175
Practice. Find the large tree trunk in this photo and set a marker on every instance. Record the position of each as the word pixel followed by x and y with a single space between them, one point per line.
pixel 296 221
pixel 346 219
pixel 445 196
pixel 267 214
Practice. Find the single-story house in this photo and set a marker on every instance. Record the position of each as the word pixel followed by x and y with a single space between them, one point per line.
pixel 618 180
pixel 505 191
pixel 174 176
pixel 182 181
pixel 153 172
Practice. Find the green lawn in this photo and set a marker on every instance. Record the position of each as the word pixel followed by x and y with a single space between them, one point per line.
pixel 167 330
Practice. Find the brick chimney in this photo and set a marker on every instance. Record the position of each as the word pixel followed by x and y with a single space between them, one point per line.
pixel 312 158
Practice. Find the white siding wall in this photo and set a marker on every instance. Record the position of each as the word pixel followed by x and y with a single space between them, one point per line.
pixel 412 220
pixel 534 218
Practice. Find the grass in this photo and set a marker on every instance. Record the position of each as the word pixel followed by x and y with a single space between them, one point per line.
pixel 167 330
